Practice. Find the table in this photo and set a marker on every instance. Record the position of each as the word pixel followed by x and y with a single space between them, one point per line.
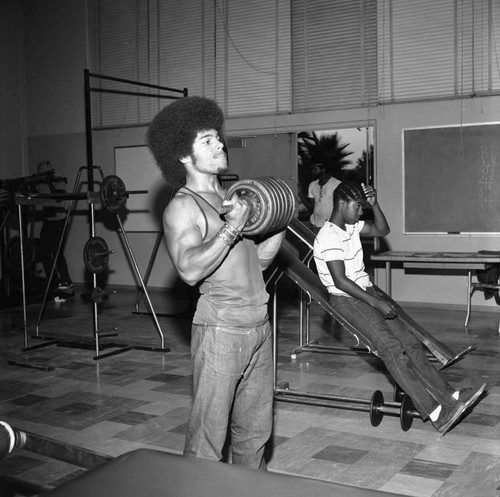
pixel 467 261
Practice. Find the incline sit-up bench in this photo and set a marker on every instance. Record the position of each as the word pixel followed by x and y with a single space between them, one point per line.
pixel 288 263
pixel 303 234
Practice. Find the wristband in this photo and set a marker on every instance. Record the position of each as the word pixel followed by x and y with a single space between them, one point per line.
pixel 228 235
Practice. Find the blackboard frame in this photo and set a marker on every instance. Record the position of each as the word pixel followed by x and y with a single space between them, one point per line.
pixel 449 184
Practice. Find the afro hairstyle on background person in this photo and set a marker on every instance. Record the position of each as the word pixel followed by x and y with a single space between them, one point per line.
pixel 172 131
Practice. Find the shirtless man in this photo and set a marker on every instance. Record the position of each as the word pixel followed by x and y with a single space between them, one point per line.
pixel 231 344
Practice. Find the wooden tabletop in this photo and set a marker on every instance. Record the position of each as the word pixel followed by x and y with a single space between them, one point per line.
pixel 460 257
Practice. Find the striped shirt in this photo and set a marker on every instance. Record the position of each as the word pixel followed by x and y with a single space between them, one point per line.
pixel 334 244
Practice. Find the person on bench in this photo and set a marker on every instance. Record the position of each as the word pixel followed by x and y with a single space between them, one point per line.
pixel 339 260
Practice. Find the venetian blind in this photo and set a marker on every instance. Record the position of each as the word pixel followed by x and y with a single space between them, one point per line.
pixel 334 54
pixel 235 51
pixel 429 49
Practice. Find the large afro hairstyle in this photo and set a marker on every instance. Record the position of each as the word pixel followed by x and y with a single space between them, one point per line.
pixel 172 131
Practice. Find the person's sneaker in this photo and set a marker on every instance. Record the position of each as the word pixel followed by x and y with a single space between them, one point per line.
pixel 448 417
pixel 65 286
pixel 470 395
pixel 65 290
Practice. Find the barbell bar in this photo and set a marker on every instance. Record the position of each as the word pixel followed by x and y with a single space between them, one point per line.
pixel 112 194
pixel 12 438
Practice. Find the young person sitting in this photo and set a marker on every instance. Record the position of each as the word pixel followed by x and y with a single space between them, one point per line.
pixel 339 260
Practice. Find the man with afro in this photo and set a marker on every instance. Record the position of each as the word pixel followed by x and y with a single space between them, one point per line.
pixel 231 343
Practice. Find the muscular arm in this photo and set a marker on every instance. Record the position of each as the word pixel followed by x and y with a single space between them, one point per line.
pixel 342 282
pixel 193 258
pixel 268 248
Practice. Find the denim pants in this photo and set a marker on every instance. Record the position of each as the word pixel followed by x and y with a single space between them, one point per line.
pixel 233 387
pixel 403 355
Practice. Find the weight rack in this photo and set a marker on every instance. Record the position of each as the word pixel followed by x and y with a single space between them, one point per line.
pixel 112 206
pixel 92 198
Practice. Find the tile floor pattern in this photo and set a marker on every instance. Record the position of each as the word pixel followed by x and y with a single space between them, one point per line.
pixel 141 398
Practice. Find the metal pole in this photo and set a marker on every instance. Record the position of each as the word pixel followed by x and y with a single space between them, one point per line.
pixel 139 277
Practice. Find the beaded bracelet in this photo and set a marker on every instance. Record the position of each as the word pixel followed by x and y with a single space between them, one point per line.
pixel 228 235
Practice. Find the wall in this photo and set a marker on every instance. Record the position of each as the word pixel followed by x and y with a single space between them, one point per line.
pixel 12 116
pixel 389 122
pixel 56 131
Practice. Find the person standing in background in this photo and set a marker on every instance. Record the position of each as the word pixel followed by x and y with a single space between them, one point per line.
pixel 320 194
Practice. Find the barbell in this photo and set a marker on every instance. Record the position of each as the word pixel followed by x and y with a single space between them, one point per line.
pixel 271 202
pixel 376 407
pixel 112 194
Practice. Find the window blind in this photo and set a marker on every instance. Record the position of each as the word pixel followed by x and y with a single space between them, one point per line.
pixel 235 51
pixel 280 56
pixel 334 54
pixel 429 49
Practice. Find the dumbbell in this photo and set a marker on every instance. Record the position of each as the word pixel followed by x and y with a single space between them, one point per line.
pixel 376 407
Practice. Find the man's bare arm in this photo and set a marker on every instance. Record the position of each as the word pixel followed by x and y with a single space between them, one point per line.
pixel 193 258
pixel 268 248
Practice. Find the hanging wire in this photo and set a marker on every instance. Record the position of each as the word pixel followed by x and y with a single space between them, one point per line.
pixel 230 38
pixel 495 49
pixel 473 69
pixel 276 56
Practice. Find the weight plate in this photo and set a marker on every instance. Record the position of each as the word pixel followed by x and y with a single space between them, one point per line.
pixel 376 415
pixel 96 255
pixel 98 295
pixel 397 393
pixel 272 200
pixel 113 193
pixel 12 253
pixel 406 413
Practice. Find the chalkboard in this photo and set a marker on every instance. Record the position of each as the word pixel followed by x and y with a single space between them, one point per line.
pixel 452 179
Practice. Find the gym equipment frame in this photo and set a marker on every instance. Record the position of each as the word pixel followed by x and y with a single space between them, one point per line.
pixel 113 196
pixel 438 350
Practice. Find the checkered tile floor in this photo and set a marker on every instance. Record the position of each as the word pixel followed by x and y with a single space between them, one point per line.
pixel 141 398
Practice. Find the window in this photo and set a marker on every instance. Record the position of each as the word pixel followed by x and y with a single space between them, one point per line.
pixel 334 54
pixel 429 49
pixel 234 51
pixel 281 56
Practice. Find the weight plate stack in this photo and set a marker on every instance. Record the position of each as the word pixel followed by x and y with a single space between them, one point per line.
pixel 271 200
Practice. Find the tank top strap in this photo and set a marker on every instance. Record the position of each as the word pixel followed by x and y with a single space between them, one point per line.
pixel 197 197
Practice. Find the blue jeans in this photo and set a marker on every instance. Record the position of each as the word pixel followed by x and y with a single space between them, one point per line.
pixel 403 355
pixel 232 387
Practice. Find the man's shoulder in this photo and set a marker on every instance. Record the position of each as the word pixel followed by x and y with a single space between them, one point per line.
pixel 180 206
pixel 179 200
